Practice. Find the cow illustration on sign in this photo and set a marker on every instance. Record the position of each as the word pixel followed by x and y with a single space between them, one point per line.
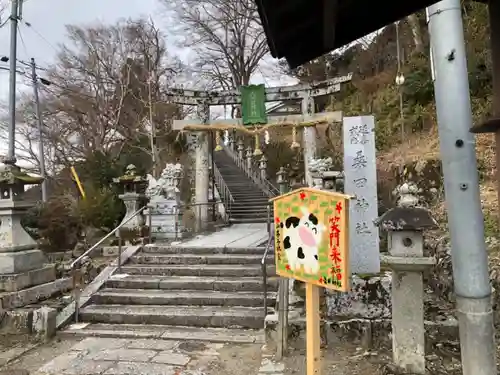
pixel 310 234
pixel 301 239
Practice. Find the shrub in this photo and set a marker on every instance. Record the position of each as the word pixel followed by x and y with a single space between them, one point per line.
pixel 101 209
pixel 58 224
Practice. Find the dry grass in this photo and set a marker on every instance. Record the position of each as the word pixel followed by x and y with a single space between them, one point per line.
pixel 489 197
pixel 423 146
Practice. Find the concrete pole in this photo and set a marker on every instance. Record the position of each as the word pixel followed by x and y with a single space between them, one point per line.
pixel 14 15
pixel 202 167
pixel 41 157
pixel 469 258
pixel 309 136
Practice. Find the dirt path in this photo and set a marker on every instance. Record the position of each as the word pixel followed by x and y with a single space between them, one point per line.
pixel 108 356
pixel 134 356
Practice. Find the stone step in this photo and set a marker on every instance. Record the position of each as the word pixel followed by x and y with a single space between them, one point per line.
pixel 237 208
pixel 227 284
pixel 263 200
pixel 243 185
pixel 243 215
pixel 162 332
pixel 228 270
pixel 237 196
pixel 245 202
pixel 192 316
pixel 248 220
pixel 248 209
pixel 197 259
pixel 110 296
pixel 203 250
pixel 232 173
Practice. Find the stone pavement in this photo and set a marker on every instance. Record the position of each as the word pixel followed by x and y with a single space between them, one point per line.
pixel 109 356
pixel 237 235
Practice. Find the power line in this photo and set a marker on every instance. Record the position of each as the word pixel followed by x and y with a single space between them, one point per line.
pixel 30 25
pixel 22 40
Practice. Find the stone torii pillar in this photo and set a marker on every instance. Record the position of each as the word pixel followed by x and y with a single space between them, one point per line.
pixel 202 167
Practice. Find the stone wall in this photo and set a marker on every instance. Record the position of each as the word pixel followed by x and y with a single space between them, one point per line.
pixel 369 298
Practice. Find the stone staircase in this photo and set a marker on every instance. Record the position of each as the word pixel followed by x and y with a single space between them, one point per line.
pixel 175 290
pixel 250 202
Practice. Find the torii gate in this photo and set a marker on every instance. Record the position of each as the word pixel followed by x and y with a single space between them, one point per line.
pixel 204 99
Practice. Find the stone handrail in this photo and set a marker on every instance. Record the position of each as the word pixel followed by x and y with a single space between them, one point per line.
pixel 253 173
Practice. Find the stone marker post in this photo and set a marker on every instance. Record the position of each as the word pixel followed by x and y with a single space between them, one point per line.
pixel 133 197
pixel 284 286
pixel 263 167
pixel 249 156
pixel 360 172
pixel 21 264
pixel 241 149
pixel 405 225
pixel 309 135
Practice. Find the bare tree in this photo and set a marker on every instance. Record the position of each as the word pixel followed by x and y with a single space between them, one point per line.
pixel 416 30
pixel 107 81
pixel 225 34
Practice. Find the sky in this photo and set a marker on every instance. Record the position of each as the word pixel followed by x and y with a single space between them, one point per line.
pixel 42 31
pixel 48 19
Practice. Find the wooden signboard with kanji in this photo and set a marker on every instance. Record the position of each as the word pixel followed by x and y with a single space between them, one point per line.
pixel 312 245
pixel 311 237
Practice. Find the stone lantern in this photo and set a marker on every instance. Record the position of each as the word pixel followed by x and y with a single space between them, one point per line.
pixel 405 226
pixel 133 196
pixel 323 175
pixel 296 172
pixel 21 263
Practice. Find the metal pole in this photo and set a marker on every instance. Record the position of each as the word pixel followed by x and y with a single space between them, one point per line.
pixel 34 78
pixel 465 219
pixel 284 285
pixel 119 234
pixel 150 223
pixel 153 128
pixel 494 12
pixel 11 155
pixel 400 85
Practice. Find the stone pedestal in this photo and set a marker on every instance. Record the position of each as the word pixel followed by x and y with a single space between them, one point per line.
pixel 21 264
pixel 133 202
pixel 165 203
pixel 165 219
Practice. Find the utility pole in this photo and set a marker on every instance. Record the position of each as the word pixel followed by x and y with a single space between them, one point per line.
pixel 461 182
pixel 14 16
pixel 153 128
pixel 34 78
pixel 399 82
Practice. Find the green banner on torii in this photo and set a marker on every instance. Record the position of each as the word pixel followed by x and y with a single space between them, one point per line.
pixel 253 105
